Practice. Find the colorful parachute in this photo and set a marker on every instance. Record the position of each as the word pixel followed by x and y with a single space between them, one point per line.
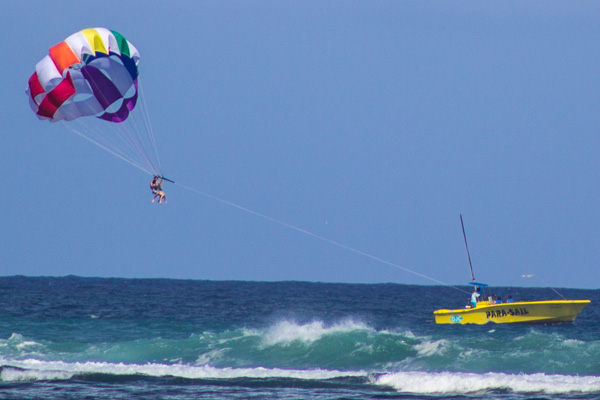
pixel 94 73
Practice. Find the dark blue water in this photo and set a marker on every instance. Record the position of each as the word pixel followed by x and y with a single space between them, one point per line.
pixel 97 338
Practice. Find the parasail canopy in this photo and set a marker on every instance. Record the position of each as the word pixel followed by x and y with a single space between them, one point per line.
pixel 94 73
pixel 91 73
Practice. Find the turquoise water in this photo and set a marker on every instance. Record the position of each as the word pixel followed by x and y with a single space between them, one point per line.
pixel 171 339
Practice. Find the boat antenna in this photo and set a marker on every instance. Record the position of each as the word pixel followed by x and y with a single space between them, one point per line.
pixel 467 247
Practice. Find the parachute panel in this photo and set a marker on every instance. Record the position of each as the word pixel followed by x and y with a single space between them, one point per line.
pixel 57 96
pixel 35 88
pixel 98 39
pixel 47 73
pixel 62 56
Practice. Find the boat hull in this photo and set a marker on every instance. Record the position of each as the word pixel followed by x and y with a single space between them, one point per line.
pixel 525 312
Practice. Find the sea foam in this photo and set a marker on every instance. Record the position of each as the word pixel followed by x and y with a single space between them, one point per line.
pixel 457 382
pixel 429 348
pixel 56 370
pixel 286 332
pixel 17 375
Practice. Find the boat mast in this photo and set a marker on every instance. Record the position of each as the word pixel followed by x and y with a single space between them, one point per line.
pixel 467 247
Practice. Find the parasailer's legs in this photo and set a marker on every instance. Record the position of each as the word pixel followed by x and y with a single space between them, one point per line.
pixel 161 196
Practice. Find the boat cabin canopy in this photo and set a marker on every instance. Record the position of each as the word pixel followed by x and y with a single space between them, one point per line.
pixel 478 284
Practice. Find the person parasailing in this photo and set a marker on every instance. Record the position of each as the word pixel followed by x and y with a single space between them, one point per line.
pixel 156 187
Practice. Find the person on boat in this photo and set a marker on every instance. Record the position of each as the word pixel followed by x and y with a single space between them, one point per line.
pixel 475 297
pixel 156 187
pixel 510 299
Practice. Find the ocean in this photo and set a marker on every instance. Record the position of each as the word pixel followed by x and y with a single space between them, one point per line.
pixel 97 338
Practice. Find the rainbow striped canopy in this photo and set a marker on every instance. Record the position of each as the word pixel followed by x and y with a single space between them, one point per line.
pixel 91 73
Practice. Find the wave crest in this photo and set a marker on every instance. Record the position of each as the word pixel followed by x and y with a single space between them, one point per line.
pixel 58 370
pixel 450 382
pixel 286 332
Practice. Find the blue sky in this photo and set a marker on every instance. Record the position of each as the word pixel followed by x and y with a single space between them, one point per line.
pixel 370 124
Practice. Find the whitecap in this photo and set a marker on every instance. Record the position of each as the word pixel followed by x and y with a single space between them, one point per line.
pixel 211 356
pixel 286 332
pixel 459 382
pixel 41 370
pixel 20 375
pixel 428 348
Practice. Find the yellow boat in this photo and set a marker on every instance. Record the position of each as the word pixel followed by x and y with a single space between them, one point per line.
pixel 529 312
pixel 524 312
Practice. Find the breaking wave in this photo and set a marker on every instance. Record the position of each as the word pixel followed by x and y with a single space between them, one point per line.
pixel 464 383
pixel 416 382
